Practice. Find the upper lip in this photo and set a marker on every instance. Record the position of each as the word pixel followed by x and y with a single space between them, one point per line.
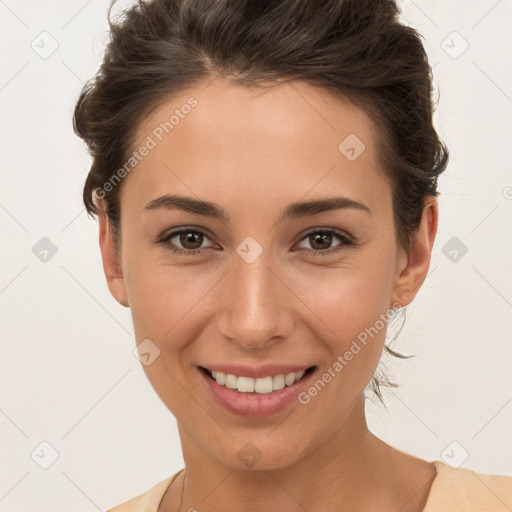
pixel 256 371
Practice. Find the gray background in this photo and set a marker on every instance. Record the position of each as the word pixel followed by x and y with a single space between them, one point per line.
pixel 68 374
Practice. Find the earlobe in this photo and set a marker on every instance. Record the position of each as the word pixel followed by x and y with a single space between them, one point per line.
pixel 111 265
pixel 413 266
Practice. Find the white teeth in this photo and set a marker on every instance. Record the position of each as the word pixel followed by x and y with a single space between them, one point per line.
pixel 261 385
pixel 289 379
pixel 299 375
pixel 278 382
pixel 231 381
pixel 245 384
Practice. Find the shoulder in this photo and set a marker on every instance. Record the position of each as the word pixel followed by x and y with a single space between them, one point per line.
pixel 148 501
pixel 464 490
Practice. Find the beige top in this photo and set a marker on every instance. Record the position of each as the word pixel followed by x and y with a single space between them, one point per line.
pixel 453 490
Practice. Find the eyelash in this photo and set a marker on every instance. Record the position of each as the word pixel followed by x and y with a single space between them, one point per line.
pixel 164 240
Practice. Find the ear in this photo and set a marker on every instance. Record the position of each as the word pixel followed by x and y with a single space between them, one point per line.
pixel 413 265
pixel 111 265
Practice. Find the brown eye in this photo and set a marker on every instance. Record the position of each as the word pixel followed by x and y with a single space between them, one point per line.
pixel 320 241
pixel 188 241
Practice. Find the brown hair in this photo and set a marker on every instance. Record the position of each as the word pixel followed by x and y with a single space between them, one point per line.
pixel 355 49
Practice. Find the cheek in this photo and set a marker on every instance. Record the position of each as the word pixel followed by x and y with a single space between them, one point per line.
pixel 343 301
pixel 351 296
pixel 353 306
pixel 169 303
pixel 357 322
pixel 165 308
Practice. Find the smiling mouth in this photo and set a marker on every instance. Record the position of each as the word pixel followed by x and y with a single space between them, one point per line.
pixel 262 385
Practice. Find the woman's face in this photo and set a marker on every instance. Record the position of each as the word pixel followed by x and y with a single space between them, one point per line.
pixel 265 288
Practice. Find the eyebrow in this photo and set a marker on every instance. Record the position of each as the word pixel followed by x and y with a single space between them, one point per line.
pixel 292 211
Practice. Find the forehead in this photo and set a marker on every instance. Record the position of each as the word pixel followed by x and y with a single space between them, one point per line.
pixel 279 112
pixel 225 140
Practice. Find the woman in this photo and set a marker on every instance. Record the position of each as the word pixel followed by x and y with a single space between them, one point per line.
pixel 265 179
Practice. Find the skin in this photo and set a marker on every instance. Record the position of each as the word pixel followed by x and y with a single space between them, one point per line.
pixel 254 152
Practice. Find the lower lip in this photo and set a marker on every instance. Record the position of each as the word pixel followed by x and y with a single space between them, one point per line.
pixel 256 405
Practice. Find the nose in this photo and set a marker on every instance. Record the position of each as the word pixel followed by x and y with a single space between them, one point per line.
pixel 256 304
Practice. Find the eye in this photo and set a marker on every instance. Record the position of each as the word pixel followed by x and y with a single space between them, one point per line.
pixel 189 238
pixel 319 240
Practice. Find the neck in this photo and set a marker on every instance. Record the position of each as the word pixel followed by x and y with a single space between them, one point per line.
pixel 351 470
